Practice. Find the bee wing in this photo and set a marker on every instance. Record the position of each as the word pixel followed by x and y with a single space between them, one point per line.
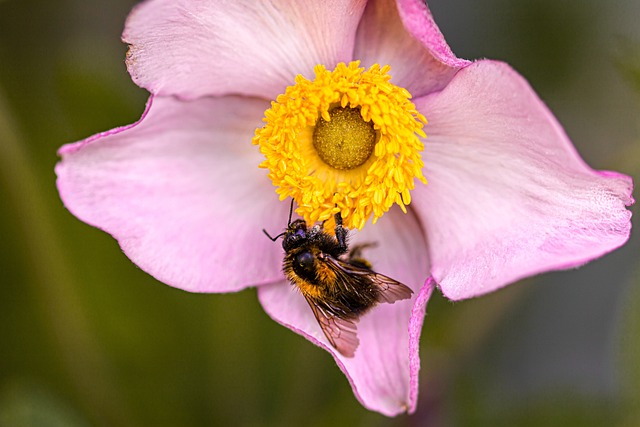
pixel 390 290
pixel 340 332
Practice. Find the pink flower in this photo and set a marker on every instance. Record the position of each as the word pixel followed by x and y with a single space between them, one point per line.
pixel 507 194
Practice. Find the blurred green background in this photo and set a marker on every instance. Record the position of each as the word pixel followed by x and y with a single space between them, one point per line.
pixel 86 338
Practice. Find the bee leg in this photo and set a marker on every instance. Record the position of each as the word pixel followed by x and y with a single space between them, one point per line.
pixel 355 255
pixel 341 232
pixel 356 250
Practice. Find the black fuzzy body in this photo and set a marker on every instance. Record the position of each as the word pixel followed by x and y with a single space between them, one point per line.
pixel 316 262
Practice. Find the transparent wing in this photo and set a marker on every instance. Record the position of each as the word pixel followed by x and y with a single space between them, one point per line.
pixel 341 333
pixel 390 290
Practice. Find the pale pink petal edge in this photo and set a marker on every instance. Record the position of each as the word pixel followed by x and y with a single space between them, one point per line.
pixel 75 146
pixel 419 21
pixel 415 329
pixel 624 187
pixel 72 148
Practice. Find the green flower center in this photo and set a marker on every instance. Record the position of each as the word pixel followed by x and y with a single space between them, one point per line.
pixel 346 141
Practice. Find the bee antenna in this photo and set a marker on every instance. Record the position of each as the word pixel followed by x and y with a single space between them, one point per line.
pixel 290 213
pixel 273 239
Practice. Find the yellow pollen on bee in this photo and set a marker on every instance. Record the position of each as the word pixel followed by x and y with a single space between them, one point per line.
pixel 348 142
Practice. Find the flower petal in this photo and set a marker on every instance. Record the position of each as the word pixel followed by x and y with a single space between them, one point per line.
pixel 193 48
pixel 508 196
pixel 384 370
pixel 404 35
pixel 182 193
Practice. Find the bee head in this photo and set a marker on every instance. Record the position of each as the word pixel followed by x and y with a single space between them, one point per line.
pixel 295 235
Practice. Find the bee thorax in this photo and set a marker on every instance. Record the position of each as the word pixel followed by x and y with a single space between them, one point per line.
pixel 304 265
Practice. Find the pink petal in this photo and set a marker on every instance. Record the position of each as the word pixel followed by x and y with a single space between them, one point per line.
pixel 182 193
pixel 384 370
pixel 508 196
pixel 403 35
pixel 193 48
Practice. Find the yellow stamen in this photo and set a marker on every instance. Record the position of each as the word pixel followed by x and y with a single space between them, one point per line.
pixel 345 142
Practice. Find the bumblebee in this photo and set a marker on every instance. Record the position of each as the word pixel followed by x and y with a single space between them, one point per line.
pixel 338 284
